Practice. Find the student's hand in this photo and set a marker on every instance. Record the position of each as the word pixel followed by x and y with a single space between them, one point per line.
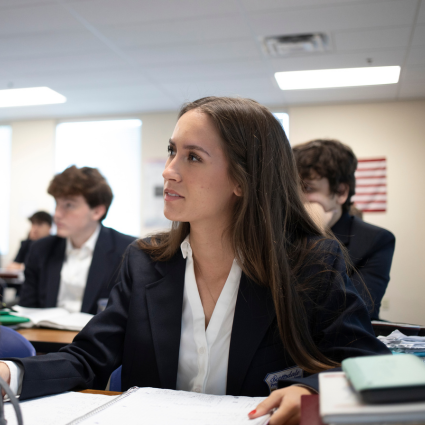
pixel 288 404
pixel 318 214
pixel 15 266
pixel 5 374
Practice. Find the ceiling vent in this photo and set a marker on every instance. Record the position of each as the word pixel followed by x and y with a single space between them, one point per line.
pixel 288 45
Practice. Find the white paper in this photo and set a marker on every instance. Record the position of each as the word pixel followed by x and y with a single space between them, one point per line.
pixel 56 318
pixel 57 409
pixel 165 407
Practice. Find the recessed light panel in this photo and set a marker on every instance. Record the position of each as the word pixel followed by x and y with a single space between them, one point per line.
pixel 345 77
pixel 29 97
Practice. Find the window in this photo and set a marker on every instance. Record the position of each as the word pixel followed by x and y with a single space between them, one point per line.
pixel 114 148
pixel 5 159
pixel 283 118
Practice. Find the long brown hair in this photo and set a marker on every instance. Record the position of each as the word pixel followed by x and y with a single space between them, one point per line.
pixel 270 228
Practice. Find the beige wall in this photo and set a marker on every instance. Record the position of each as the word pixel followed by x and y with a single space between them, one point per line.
pixel 394 130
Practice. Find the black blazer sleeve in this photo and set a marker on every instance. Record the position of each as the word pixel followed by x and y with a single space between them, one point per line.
pixel 23 252
pixel 373 265
pixel 29 295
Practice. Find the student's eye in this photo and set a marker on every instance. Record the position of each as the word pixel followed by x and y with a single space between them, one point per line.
pixel 194 158
pixel 69 205
pixel 171 151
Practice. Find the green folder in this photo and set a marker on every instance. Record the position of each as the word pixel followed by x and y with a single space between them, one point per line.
pixel 7 319
pixel 387 378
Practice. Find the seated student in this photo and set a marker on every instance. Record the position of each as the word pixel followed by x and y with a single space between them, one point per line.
pixel 242 288
pixel 327 169
pixel 41 224
pixel 77 267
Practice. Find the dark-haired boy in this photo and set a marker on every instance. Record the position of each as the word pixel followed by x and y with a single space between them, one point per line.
pixel 327 169
pixel 77 267
pixel 41 224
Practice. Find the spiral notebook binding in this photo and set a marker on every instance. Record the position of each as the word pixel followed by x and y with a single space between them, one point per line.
pixel 103 407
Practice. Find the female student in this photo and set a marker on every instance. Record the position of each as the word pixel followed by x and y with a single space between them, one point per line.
pixel 243 291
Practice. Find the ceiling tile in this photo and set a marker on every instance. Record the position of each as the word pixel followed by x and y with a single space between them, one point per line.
pixel 255 5
pixel 49 44
pixel 195 53
pixel 41 18
pixel 331 18
pixel 15 67
pixel 80 79
pixel 172 32
pixel 340 60
pixel 188 72
pixel 13 4
pixel 421 15
pixel 116 93
pixel 413 73
pixel 416 56
pixel 113 12
pixel 412 90
pixel 419 36
pixel 355 94
pixel 373 38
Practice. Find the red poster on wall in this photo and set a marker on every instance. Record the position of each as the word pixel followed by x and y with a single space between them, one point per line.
pixel 371 185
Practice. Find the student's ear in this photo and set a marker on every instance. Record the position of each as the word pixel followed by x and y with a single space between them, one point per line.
pixel 98 212
pixel 238 190
pixel 342 194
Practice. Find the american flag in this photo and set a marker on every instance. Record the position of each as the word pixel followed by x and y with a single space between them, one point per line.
pixel 371 185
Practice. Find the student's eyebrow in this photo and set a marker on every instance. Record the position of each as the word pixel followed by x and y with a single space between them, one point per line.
pixel 190 147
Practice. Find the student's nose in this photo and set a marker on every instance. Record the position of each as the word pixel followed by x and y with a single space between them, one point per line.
pixel 57 215
pixel 171 171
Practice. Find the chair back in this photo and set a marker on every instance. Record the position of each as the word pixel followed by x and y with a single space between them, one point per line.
pixel 13 344
pixel 115 382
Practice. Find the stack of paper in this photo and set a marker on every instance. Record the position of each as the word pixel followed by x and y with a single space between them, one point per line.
pixel 339 404
pixel 55 318
pixel 400 343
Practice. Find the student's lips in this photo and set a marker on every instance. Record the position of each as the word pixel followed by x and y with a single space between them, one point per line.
pixel 171 195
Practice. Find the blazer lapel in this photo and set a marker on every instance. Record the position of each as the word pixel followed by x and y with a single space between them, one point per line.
pixel 165 305
pixel 100 272
pixel 53 272
pixel 254 314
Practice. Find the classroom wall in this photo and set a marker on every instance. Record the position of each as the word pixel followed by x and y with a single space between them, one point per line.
pixel 395 130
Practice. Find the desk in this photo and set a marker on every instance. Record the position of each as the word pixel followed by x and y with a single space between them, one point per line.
pixel 8 274
pixel 100 392
pixel 47 340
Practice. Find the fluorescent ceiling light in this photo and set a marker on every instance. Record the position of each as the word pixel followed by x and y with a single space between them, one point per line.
pixel 30 96
pixel 345 77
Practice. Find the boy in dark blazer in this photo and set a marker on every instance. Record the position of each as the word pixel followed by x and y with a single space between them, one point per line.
pixel 327 169
pixel 78 266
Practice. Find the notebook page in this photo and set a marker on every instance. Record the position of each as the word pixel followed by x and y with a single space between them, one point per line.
pixel 38 314
pixel 70 322
pixel 57 409
pixel 165 407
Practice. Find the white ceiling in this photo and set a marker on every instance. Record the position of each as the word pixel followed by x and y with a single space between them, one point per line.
pixel 128 56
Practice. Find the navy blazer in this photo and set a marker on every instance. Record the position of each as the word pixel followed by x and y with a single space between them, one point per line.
pixel 141 328
pixel 44 264
pixel 371 250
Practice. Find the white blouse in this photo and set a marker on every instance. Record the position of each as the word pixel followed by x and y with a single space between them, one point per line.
pixel 204 353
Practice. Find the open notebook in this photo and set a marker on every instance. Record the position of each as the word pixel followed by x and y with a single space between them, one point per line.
pixel 55 318
pixel 139 406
